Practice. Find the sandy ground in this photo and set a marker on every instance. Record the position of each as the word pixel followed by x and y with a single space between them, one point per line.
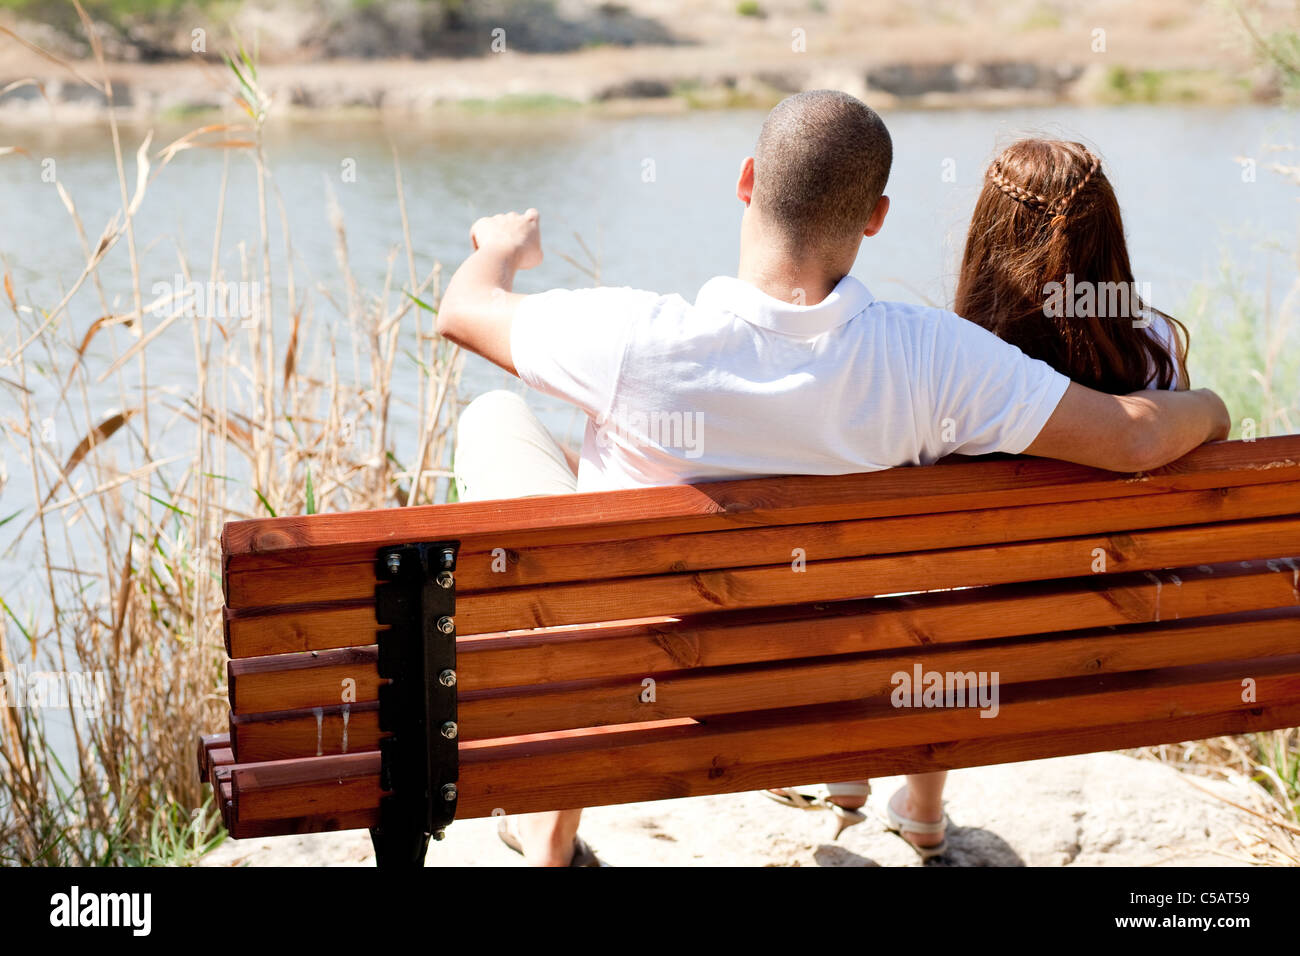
pixel 1092 810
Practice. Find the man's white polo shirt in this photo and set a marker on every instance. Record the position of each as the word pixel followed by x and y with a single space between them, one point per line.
pixel 740 384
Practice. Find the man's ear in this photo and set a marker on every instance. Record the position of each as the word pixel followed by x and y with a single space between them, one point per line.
pixel 877 217
pixel 745 184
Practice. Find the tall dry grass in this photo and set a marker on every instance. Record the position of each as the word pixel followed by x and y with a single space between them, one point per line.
pixel 124 529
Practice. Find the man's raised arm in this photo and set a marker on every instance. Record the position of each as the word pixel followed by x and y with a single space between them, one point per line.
pixel 478 307
pixel 1128 433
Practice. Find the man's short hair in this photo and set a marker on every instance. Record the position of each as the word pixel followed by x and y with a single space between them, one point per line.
pixel 820 167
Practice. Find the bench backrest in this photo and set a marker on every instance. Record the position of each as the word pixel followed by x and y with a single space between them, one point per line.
pixel 665 642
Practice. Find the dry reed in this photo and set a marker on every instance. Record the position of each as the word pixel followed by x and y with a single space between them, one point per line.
pixel 125 528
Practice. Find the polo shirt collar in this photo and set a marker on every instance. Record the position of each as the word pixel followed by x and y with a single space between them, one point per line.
pixel 739 298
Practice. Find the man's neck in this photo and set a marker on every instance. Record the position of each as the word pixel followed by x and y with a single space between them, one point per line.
pixel 802 283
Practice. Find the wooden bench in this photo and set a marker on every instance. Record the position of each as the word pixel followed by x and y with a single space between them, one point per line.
pixel 667 642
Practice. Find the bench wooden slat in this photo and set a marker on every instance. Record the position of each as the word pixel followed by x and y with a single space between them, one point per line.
pixel 311 679
pixel 207 743
pixel 357 820
pixel 949 486
pixel 301 628
pixel 223 791
pixel 775 585
pixel 280 735
pixel 848 578
pixel 222 757
pixel 618 765
pixel 318 787
pixel 666 553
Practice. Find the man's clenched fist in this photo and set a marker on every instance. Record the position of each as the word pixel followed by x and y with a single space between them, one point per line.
pixel 509 232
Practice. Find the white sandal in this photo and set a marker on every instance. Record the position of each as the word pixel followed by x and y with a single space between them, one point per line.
pixel 897 823
pixel 845 817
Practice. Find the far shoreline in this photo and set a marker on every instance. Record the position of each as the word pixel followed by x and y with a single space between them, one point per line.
pixel 42 93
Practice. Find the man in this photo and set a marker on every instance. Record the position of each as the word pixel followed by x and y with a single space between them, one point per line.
pixel 790 367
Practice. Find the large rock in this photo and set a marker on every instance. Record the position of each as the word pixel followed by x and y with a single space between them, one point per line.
pixel 1092 810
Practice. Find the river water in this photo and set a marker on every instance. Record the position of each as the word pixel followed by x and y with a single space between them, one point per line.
pixel 652 197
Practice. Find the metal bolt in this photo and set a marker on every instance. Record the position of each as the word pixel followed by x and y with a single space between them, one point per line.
pixel 445 579
pixel 449 730
pixel 446 625
pixel 439 834
pixel 394 563
pixel 447 678
pixel 449 792
pixel 448 558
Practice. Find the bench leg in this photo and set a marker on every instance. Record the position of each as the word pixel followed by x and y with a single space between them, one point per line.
pixel 399 849
pixel 419 762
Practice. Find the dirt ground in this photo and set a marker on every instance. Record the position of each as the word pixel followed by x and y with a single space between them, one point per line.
pixel 1103 809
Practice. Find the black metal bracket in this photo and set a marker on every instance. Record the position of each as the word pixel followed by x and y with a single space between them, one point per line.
pixel 419 762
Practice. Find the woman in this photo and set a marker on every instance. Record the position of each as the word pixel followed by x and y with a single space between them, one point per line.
pixel 1046 268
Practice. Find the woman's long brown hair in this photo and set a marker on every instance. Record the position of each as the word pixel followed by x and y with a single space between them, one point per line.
pixel 1047 214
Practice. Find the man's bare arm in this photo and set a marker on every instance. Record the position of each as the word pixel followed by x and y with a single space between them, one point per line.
pixel 1129 433
pixel 478 307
